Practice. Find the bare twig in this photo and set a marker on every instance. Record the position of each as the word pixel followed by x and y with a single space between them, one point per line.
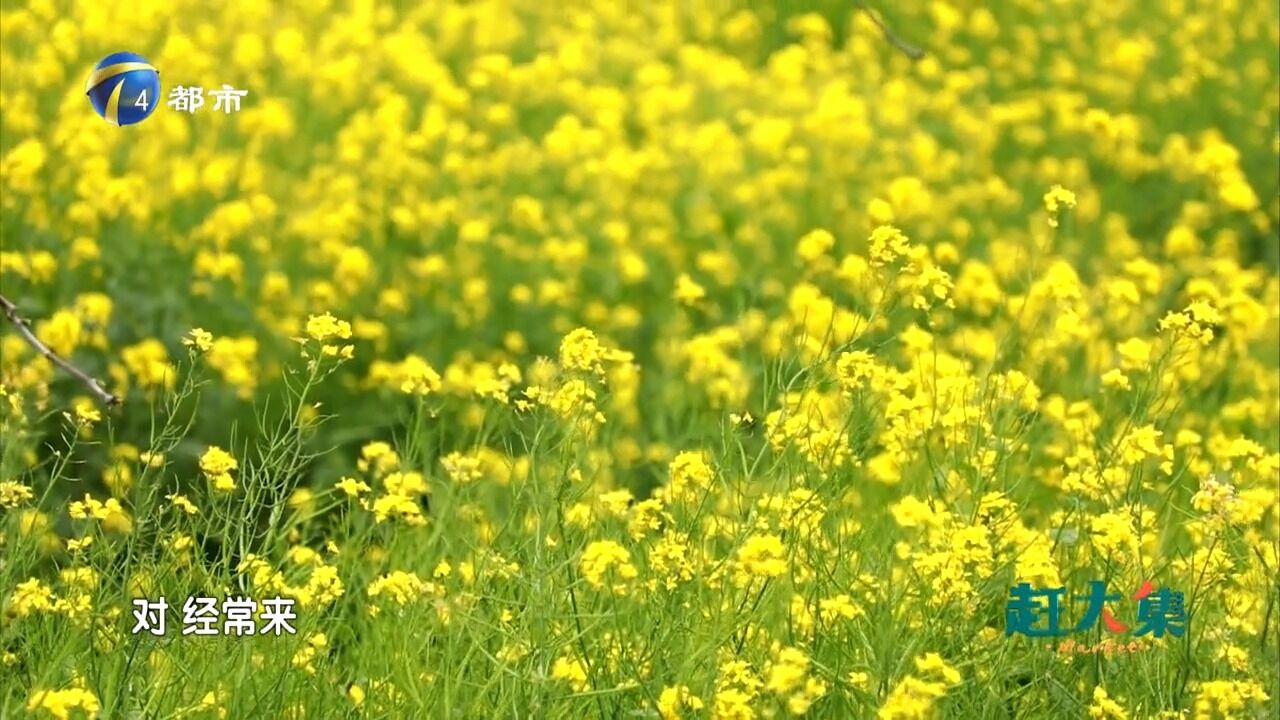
pixel 24 329
pixel 912 51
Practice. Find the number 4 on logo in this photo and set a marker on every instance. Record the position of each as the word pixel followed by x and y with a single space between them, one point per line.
pixel 141 101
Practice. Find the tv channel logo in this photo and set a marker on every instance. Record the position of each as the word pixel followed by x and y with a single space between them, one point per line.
pixel 123 88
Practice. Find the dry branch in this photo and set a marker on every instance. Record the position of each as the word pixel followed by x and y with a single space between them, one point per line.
pixel 911 51
pixel 24 329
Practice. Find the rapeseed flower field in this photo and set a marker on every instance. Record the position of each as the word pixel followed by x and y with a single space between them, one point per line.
pixel 643 360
